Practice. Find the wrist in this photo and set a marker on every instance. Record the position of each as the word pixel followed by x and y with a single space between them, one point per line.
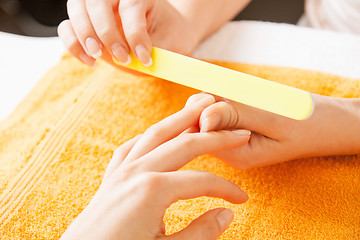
pixel 206 16
pixel 190 32
pixel 335 125
pixel 353 110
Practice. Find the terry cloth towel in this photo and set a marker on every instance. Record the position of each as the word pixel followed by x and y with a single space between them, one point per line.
pixel 56 145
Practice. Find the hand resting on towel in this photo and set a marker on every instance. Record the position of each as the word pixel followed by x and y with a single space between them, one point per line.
pixel 332 129
pixel 141 182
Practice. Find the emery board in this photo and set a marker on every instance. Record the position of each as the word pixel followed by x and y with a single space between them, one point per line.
pixel 240 87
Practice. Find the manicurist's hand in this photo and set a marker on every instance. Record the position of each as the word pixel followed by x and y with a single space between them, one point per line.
pixel 141 182
pixel 121 26
pixel 332 129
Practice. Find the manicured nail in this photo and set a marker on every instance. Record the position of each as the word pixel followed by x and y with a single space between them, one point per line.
pixel 143 55
pixel 120 54
pixel 206 101
pixel 87 60
pixel 224 218
pixel 93 47
pixel 242 132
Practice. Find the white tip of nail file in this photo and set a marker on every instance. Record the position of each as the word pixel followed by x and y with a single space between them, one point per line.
pixel 240 87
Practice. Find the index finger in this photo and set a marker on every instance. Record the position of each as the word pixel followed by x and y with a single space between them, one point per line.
pixel 179 151
pixel 171 126
pixel 133 17
pixel 104 22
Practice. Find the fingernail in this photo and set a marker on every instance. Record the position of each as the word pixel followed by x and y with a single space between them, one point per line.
pixel 206 101
pixel 242 132
pixel 93 47
pixel 120 54
pixel 210 123
pixel 224 218
pixel 143 55
pixel 87 60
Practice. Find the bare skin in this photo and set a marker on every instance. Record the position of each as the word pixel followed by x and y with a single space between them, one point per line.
pixel 121 26
pixel 332 129
pixel 141 182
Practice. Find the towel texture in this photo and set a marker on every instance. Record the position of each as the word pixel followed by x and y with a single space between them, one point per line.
pixel 56 145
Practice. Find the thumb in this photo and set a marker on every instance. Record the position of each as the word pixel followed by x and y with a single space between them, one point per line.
pixel 233 115
pixel 208 226
pixel 221 115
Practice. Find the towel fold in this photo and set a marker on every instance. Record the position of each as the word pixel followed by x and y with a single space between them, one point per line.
pixel 55 147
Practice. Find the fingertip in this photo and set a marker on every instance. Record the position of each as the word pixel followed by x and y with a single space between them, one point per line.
pixel 83 57
pixel 202 100
pixel 242 132
pixel 120 54
pixel 224 218
pixel 209 123
pixel 143 55
pixel 61 26
pixel 193 99
pixel 246 197
pixel 243 197
pixel 238 196
pixel 149 63
pixel 93 47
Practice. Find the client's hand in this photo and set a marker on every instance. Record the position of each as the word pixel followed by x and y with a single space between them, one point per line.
pixel 141 182
pixel 332 129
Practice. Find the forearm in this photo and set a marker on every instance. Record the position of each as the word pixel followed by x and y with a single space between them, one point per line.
pixel 334 127
pixel 208 15
pixel 351 124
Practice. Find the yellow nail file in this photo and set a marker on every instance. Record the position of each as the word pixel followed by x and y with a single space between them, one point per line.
pixel 240 87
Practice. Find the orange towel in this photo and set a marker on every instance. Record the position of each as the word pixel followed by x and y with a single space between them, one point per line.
pixel 56 145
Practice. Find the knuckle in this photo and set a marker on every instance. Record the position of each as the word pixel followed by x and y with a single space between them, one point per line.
pixel 151 182
pixel 83 31
pixel 234 119
pixel 105 33
pixel 118 151
pixel 127 172
pixel 135 32
pixel 154 132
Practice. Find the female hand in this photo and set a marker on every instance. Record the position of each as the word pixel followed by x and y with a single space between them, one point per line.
pixel 123 25
pixel 332 129
pixel 141 182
